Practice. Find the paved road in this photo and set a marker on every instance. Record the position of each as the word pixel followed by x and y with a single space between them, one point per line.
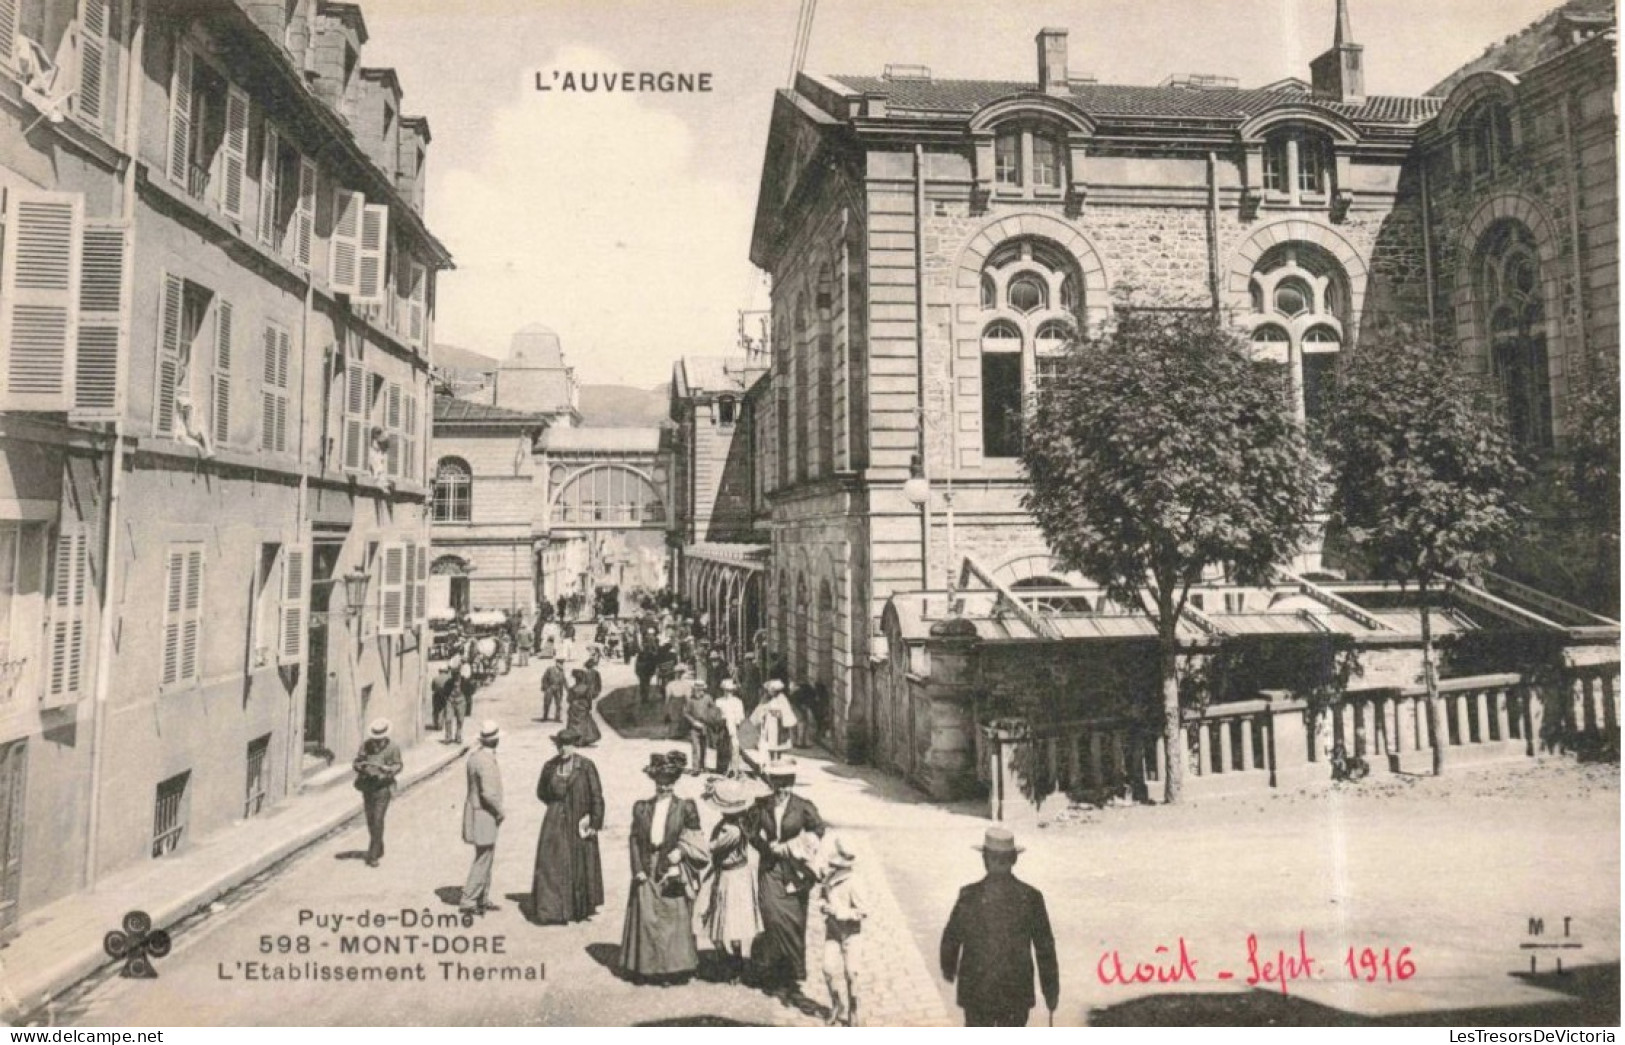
pixel 292 912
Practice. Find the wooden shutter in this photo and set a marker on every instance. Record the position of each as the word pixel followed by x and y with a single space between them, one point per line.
pixel 420 600
pixel 409 588
pixel 221 430
pixel 10 10
pixel 304 219
pixel 67 673
pixel 93 47
pixel 355 417
pixel 274 392
pixel 344 248
pixel 418 298
pixel 182 595
pixel 293 615
pixel 96 384
pixel 270 171
pixel 392 425
pixel 171 306
pixel 39 299
pixel 180 117
pixel 371 286
pixel 409 440
pixel 392 590
pixel 234 154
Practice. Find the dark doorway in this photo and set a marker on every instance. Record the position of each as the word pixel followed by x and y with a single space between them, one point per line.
pixel 318 682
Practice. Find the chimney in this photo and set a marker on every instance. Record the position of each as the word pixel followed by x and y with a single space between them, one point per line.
pixel 1338 75
pixel 1052 61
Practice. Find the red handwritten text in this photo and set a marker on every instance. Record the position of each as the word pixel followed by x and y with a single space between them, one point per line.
pixel 1283 969
pixel 1164 969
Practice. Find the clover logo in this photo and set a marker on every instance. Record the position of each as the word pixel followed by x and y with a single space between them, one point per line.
pixel 138 943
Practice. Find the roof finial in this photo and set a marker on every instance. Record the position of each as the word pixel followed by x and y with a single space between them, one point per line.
pixel 1344 34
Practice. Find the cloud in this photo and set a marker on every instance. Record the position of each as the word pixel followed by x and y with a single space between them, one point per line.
pixel 593 214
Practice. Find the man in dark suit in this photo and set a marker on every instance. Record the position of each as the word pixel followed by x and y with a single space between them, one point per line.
pixel 998 925
pixel 482 815
pixel 376 766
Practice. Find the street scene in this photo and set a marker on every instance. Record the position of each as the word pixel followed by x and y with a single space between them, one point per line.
pixel 668 514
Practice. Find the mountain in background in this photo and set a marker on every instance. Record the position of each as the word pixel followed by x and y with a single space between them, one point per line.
pixel 621 406
pixel 454 358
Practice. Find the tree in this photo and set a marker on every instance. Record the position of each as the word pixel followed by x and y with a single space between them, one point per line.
pixel 1159 452
pixel 1423 473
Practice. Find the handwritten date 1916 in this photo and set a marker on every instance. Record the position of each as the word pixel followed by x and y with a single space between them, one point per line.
pixel 1278 969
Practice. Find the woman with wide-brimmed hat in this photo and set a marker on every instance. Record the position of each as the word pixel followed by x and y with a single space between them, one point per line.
pixel 733 920
pixel 568 884
pixel 668 854
pixel 785 829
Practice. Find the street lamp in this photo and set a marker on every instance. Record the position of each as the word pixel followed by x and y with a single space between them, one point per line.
pixel 917 488
pixel 355 591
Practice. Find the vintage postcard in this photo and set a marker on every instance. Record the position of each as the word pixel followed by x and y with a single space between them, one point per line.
pixel 865 513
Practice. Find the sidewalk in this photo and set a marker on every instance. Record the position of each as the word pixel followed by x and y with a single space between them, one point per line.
pixel 61 944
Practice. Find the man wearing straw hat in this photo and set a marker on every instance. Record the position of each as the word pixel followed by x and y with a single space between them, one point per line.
pixel 482 816
pixel 376 766
pixel 997 927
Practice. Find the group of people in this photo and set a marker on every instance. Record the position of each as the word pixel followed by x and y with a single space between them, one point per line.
pixel 764 867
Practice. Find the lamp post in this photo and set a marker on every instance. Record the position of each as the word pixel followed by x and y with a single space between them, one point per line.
pixel 917 490
pixel 355 591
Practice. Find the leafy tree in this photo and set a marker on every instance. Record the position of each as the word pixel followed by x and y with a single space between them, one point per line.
pixel 1423 474
pixel 1159 452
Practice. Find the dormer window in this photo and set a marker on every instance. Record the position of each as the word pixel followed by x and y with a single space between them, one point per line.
pixel 1295 168
pixel 727 410
pixel 1028 160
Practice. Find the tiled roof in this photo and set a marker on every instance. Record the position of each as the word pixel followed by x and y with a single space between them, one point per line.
pixel 1109 100
pixel 714 373
pixel 450 410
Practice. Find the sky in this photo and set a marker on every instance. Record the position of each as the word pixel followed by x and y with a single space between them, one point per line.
pixel 622 221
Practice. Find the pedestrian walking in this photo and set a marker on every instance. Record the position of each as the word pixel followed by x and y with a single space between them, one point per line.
pixel 678 690
pixel 554 685
pixel 784 879
pixel 579 716
pixel 595 678
pixel 730 713
pixel 998 926
pixel 732 919
pixel 843 907
pixel 699 717
pixel 458 698
pixel 645 665
pixel 568 883
pixel 774 720
pixel 805 700
pixel 376 766
pixel 668 854
pixel 482 816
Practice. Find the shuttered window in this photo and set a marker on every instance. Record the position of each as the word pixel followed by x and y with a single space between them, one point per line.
pixel 293 611
pixel 393 406
pixel 409 440
pixel 90 99
pixel 220 428
pixel 274 390
pixel 180 117
pixel 371 286
pixel 392 590
pixel 355 416
pixel 270 173
pixel 234 154
pixel 101 296
pixel 418 298
pixel 420 585
pixel 39 297
pixel 69 638
pixel 409 587
pixel 344 248
pixel 304 216
pixel 183 615
pixel 10 10
pixel 171 315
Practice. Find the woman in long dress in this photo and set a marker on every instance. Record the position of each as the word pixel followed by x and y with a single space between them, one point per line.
pixel 785 830
pixel 732 921
pixel 568 885
pixel 668 853
pixel 578 716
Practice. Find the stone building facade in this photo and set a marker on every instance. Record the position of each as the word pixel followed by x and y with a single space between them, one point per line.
pixel 216 316
pixel 932 241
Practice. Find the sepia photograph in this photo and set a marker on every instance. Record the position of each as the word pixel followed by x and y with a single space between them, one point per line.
pixel 810 513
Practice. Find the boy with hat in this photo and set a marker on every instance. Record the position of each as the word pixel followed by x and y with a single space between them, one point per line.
pixel 844 910
pixel 376 766
pixel 997 927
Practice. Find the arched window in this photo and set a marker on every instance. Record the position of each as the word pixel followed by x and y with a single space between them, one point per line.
pixel 1031 289
pixel 1296 162
pixel 1298 293
pixel 608 494
pixel 453 491
pixel 1514 315
pixel 1486 136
